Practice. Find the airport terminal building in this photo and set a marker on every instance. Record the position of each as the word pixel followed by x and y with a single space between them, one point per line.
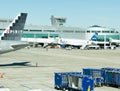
pixel 57 29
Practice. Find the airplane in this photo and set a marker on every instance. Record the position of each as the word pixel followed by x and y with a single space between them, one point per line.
pixel 10 39
pixel 78 43
pixel 93 43
pixel 114 41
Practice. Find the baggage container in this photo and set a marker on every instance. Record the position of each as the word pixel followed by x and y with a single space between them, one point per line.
pixel 96 74
pixel 61 79
pixel 80 83
pixel 104 70
pixel 117 78
pixel 109 77
pixel 112 78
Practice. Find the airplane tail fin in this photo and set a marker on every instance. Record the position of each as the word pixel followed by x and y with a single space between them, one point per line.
pixel 94 37
pixel 14 30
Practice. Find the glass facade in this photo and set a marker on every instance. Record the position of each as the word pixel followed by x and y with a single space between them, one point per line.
pixel 101 37
pixel 33 35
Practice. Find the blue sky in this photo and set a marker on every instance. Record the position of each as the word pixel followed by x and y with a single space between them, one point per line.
pixel 79 13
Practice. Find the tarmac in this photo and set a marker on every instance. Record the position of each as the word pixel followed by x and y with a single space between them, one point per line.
pixel 34 68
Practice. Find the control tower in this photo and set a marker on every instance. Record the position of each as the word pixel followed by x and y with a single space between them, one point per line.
pixel 57 21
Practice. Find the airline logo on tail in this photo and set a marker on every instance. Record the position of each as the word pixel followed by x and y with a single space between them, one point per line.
pixel 94 37
pixel 7 31
pixel 14 30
